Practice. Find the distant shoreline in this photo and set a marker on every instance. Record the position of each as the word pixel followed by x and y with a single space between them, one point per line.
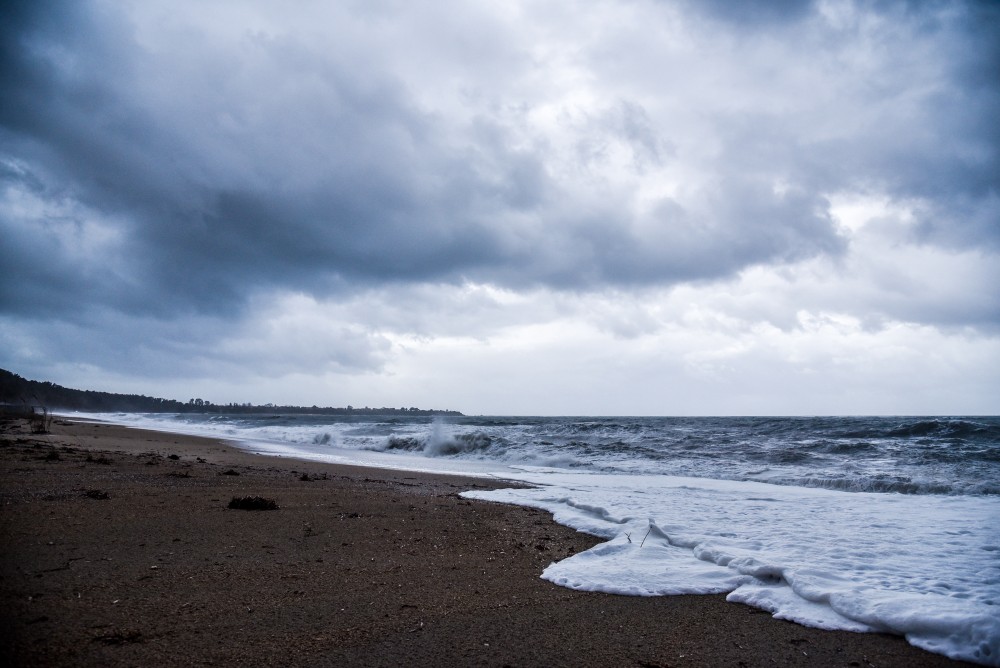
pixel 19 393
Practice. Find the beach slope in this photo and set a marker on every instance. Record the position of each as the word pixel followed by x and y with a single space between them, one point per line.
pixel 119 549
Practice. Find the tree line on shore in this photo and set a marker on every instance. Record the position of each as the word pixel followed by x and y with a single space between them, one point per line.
pixel 17 393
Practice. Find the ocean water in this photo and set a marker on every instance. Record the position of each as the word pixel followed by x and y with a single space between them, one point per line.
pixel 885 524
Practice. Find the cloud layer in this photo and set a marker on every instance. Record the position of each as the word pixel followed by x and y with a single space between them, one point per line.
pixel 317 193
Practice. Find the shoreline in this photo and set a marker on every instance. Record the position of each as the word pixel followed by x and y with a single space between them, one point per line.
pixel 358 566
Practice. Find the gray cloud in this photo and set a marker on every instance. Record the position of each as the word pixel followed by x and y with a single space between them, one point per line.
pixel 170 169
pixel 754 13
pixel 311 171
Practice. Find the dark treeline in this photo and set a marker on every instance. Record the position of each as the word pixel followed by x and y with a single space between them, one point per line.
pixel 19 392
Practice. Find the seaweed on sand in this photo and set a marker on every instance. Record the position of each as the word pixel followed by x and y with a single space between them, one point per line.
pixel 252 503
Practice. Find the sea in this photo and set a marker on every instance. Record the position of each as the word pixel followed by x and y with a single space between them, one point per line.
pixel 866 524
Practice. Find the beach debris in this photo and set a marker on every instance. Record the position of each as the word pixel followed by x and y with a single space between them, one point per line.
pixel 654 664
pixel 305 477
pixel 230 472
pixel 40 420
pixel 646 536
pixel 96 494
pixel 174 457
pixel 252 503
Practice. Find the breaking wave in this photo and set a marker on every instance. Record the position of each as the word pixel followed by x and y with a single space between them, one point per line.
pixel 441 443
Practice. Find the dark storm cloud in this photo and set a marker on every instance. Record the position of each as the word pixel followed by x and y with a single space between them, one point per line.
pixel 947 150
pixel 963 181
pixel 937 141
pixel 194 236
pixel 160 182
pixel 345 180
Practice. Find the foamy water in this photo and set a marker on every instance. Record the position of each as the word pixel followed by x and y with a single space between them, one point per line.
pixel 926 567
pixel 860 524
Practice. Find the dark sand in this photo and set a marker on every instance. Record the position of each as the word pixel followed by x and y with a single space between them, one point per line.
pixel 357 567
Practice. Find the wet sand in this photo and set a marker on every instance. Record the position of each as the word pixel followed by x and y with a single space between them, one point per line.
pixel 118 548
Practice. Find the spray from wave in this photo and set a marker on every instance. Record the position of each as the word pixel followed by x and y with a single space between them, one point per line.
pixel 441 441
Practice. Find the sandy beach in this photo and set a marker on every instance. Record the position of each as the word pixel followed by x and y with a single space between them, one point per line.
pixel 119 549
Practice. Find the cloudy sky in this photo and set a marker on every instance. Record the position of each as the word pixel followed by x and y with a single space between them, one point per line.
pixel 659 207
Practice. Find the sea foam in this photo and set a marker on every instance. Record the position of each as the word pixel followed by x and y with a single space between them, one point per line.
pixel 927 567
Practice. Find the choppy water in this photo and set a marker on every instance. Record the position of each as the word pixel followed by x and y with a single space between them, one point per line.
pixel 928 455
pixel 884 524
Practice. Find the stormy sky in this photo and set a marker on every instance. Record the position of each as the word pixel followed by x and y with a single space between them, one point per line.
pixel 666 207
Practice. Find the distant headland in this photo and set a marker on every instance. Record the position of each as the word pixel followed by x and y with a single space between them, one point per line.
pixel 16 391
